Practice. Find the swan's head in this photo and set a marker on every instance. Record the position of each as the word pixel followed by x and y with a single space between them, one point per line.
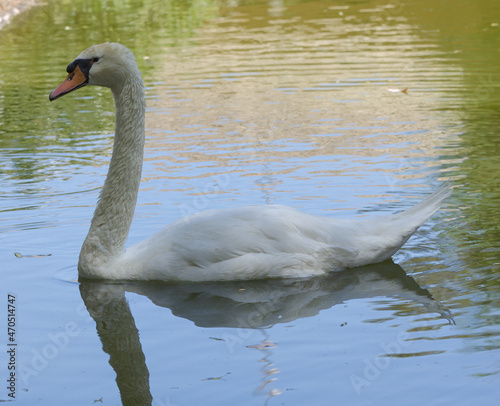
pixel 108 65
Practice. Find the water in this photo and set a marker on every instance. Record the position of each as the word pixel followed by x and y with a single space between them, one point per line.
pixel 298 103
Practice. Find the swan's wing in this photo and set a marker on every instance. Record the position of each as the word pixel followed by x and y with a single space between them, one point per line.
pixel 247 242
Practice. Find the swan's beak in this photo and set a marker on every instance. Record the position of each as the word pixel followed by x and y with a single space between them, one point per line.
pixel 75 80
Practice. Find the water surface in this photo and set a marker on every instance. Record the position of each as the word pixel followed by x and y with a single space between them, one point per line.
pixel 335 108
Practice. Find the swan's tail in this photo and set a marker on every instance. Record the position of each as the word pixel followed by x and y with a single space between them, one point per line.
pixel 387 234
pixel 415 216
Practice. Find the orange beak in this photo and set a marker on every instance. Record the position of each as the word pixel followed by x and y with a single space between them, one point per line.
pixel 75 80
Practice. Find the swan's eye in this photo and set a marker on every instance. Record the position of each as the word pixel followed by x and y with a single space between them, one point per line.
pixel 94 60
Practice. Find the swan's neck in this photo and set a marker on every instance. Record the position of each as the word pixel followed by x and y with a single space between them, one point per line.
pixel 114 212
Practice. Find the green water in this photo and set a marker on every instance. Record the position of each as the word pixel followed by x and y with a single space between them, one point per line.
pixel 253 102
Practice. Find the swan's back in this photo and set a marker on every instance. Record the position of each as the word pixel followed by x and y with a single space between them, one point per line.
pixel 254 242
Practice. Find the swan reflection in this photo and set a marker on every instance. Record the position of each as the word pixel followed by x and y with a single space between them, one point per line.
pixel 246 304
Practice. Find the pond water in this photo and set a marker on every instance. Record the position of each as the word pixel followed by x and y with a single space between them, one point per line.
pixel 336 108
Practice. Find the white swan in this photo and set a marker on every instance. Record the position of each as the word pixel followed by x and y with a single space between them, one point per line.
pixel 242 243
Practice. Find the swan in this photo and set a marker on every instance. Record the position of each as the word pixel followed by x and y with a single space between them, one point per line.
pixel 251 242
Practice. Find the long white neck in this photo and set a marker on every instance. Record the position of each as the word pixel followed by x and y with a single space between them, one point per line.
pixel 114 212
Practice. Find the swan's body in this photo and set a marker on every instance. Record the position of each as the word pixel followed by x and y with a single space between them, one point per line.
pixel 242 243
